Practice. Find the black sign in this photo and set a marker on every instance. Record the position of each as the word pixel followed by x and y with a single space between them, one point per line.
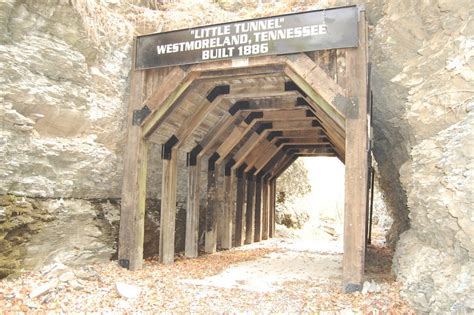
pixel 283 34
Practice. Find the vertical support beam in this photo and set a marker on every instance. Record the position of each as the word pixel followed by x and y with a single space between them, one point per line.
pixel 132 213
pixel 258 209
pixel 192 213
pixel 250 211
pixel 239 206
pixel 226 241
pixel 210 241
pixel 168 205
pixel 219 208
pixel 356 164
pixel 265 212
pixel 272 200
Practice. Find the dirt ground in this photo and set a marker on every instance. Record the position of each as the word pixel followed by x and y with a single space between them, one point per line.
pixel 274 276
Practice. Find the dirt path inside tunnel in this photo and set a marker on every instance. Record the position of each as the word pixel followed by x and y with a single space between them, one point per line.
pixel 275 276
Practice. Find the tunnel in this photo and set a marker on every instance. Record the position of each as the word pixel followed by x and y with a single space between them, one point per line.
pixel 241 123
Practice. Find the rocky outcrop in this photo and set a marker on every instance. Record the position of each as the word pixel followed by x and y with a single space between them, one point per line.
pixel 431 66
pixel 19 221
pixel 35 233
pixel 61 104
pixel 435 258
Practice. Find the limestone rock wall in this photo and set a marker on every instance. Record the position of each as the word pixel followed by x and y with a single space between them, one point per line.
pixel 435 258
pixel 61 104
pixel 423 54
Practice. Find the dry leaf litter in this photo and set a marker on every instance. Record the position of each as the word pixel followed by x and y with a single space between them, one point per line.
pixel 281 283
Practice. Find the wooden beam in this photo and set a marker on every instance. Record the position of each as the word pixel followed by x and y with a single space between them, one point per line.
pixel 280 113
pixel 177 82
pixel 280 154
pixel 265 158
pixel 243 73
pixel 164 101
pixel 356 174
pixel 132 213
pixel 239 207
pixel 210 241
pixel 293 124
pixel 283 167
pixel 252 62
pixel 167 90
pixel 250 210
pixel 258 209
pixel 297 141
pixel 287 158
pixel 192 213
pixel 168 208
pixel 333 131
pixel 272 208
pixel 192 122
pixel 319 86
pixel 260 152
pixel 226 241
pixel 265 212
pixel 312 132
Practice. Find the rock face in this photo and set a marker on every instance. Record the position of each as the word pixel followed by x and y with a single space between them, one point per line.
pixel 61 104
pixel 36 233
pixel 423 59
pixel 63 100
pixel 435 258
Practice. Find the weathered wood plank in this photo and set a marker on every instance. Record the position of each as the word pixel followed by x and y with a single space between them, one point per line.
pixel 168 101
pixel 210 241
pixel 192 213
pixel 265 211
pixel 250 210
pixel 226 242
pixel 283 168
pixel 239 209
pixel 168 209
pixel 132 214
pixel 356 165
pixel 245 63
pixel 272 204
pixel 320 87
pixel 258 209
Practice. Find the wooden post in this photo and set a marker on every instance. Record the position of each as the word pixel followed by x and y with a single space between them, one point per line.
pixel 210 242
pixel 226 241
pixel 356 164
pixel 272 208
pixel 239 208
pixel 168 204
pixel 132 213
pixel 220 206
pixel 250 211
pixel 265 209
pixel 192 213
pixel 258 209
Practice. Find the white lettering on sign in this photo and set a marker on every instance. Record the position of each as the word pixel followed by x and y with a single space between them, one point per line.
pixel 215 40
pixel 297 32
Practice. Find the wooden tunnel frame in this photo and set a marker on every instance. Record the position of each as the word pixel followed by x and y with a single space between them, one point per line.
pixel 260 143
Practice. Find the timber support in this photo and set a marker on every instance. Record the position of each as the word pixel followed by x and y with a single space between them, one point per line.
pixel 250 119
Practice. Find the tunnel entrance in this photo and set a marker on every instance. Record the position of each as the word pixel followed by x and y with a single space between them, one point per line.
pixel 242 122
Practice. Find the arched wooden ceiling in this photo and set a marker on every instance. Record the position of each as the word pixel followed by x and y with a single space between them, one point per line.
pixel 255 118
